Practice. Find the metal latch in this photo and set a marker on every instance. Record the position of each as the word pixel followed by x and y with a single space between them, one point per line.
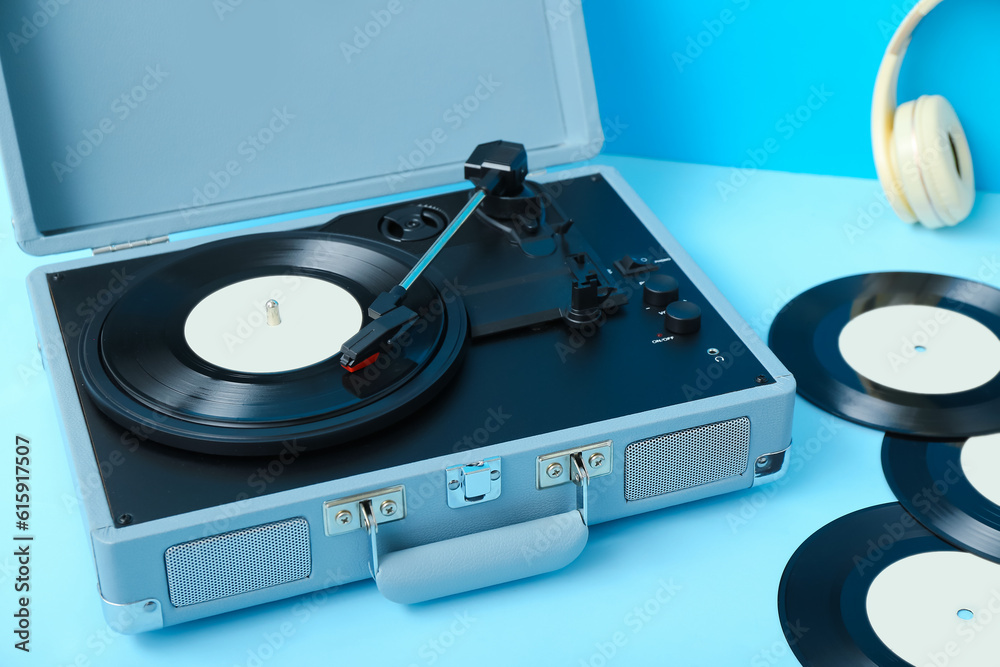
pixel 473 482
pixel 365 510
pixel 556 469
pixel 345 515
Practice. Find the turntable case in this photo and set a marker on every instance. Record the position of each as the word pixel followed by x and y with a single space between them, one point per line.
pixel 124 123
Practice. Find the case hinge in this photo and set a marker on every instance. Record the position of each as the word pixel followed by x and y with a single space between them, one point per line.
pixel 114 247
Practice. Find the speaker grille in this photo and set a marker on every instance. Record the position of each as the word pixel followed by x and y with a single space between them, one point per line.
pixel 238 562
pixel 688 458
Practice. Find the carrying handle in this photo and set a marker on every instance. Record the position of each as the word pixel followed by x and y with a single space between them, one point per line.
pixel 483 559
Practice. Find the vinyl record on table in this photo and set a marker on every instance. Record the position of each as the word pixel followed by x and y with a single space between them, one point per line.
pixel 910 353
pixel 190 356
pixel 874 588
pixel 952 487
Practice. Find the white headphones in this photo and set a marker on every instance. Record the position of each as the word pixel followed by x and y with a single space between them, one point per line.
pixel 921 152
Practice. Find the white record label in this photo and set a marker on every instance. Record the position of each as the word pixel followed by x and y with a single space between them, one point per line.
pixel 981 464
pixel 229 328
pixel 921 349
pixel 939 608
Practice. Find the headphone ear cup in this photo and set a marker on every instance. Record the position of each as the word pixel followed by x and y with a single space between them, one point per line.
pixel 933 161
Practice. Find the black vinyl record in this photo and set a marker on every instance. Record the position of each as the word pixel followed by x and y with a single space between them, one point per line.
pixel 929 480
pixel 805 335
pixel 822 597
pixel 139 368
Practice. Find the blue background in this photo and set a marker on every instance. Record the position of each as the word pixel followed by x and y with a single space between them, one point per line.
pixel 762 66
pixel 775 236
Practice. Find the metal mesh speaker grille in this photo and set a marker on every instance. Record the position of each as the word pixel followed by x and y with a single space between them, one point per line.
pixel 688 458
pixel 238 562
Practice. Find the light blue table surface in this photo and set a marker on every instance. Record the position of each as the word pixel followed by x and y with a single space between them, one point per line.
pixel 689 586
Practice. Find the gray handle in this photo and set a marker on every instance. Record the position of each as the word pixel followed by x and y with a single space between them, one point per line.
pixel 482 559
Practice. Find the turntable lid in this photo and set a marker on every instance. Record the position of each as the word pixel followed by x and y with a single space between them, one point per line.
pixel 123 121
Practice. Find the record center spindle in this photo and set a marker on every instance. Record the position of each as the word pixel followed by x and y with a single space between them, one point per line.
pixel 273 316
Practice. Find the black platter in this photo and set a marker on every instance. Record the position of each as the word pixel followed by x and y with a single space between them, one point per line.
pixel 139 369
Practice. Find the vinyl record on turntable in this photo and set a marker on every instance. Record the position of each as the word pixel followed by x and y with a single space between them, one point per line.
pixel 233 347
pixel 951 487
pixel 874 588
pixel 910 353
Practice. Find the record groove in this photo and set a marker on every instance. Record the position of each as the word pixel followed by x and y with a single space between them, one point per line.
pixel 822 597
pixel 806 333
pixel 138 367
pixel 928 479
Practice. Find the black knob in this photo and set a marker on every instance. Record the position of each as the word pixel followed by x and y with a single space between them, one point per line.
pixel 683 317
pixel 660 290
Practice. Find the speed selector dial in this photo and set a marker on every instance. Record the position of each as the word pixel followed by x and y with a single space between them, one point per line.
pixel 660 290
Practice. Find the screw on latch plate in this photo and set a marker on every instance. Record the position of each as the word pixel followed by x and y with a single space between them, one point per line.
pixel 345 514
pixel 551 468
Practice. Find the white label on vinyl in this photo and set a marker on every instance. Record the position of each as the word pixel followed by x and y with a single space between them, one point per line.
pixel 981 464
pixel 921 349
pixel 229 328
pixel 939 608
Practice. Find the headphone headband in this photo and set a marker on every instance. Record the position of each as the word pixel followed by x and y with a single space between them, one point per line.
pixel 884 104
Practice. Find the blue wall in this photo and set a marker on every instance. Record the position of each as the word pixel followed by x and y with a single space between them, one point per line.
pixel 714 105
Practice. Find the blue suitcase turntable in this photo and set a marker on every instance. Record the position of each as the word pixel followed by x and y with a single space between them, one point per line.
pixel 441 391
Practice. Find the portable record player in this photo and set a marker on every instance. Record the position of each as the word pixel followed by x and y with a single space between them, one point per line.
pixel 440 392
